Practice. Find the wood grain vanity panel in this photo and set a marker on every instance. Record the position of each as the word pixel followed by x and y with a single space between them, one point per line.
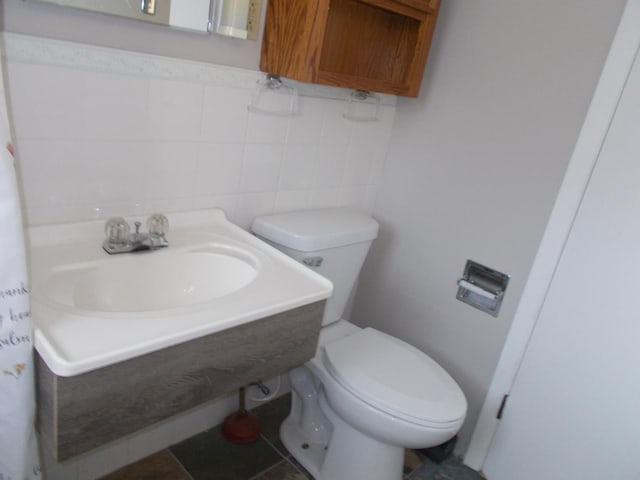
pixel 80 413
pixel 46 397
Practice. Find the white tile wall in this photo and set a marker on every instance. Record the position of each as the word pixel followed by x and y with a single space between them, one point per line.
pixel 102 132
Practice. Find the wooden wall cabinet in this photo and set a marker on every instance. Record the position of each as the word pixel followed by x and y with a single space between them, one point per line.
pixel 374 45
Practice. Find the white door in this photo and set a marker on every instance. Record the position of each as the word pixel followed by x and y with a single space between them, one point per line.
pixel 574 410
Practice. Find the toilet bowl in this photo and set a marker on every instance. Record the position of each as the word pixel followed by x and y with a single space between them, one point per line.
pixel 365 396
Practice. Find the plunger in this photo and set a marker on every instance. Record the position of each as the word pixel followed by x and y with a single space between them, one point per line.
pixel 241 426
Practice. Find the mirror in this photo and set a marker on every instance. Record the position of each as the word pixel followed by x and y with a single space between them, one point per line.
pixel 194 15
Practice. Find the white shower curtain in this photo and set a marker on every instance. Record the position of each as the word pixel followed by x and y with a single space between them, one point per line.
pixel 18 448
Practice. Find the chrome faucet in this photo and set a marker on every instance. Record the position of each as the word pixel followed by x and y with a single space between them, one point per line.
pixel 121 240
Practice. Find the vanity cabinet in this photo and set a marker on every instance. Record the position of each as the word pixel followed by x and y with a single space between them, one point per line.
pixel 79 413
pixel 374 45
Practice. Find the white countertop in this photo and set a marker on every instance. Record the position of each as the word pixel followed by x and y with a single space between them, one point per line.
pixel 74 340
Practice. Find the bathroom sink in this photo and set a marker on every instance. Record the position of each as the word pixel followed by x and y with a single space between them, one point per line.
pixel 152 281
pixel 91 309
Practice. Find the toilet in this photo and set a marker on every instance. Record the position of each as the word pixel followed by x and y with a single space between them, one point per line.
pixel 365 396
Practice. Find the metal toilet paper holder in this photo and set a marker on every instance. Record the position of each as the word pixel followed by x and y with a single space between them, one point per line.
pixel 482 287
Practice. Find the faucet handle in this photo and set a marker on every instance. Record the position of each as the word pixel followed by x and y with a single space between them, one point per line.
pixel 117 231
pixel 157 224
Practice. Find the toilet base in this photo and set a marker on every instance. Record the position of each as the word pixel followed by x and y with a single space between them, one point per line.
pixel 309 455
pixel 348 455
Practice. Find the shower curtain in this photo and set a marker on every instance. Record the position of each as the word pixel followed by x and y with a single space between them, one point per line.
pixel 18 448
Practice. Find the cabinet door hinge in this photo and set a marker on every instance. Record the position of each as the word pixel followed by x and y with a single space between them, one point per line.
pixel 502 405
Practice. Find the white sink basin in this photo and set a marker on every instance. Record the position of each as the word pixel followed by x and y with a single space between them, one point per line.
pixel 144 282
pixel 91 309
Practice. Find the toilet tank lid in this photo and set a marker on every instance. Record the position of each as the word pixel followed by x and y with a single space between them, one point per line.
pixel 319 229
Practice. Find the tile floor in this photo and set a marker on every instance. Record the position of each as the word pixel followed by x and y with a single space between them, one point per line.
pixel 208 456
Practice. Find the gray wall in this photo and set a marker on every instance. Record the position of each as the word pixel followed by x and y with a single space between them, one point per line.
pixel 63 23
pixel 474 163
pixel 473 169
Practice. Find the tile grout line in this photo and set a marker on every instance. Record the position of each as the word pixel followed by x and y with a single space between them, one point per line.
pixel 286 458
pixel 273 446
pixel 305 473
pixel 268 469
pixel 184 469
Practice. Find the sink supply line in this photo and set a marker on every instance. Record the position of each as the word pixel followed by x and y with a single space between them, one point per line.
pixel 266 391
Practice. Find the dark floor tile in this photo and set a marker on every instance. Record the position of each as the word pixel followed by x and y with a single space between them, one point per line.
pixel 209 456
pixel 297 464
pixel 160 466
pixel 450 469
pixel 457 470
pixel 282 471
pixel 411 461
pixel 271 416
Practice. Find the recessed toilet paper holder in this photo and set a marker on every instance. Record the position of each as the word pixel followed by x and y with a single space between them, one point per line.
pixel 482 287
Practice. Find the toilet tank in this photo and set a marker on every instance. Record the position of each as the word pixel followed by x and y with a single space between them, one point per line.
pixel 332 241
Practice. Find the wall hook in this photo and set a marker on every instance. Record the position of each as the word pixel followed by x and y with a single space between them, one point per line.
pixel 273 97
pixel 355 103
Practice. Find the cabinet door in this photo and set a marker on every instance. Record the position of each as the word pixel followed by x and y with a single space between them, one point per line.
pixel 377 45
pixel 293 37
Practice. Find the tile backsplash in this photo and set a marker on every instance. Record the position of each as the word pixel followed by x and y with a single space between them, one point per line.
pixel 101 132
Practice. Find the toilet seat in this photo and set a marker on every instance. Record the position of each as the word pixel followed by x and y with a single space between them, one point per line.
pixel 396 378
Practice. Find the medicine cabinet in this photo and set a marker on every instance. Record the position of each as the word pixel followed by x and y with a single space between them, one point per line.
pixel 194 15
pixel 374 45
